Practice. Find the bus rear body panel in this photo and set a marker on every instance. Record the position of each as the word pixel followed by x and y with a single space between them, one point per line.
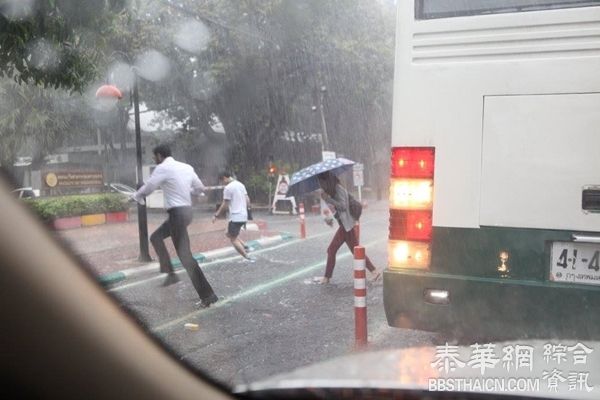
pixel 487 309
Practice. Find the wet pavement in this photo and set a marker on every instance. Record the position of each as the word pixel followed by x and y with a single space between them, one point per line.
pixel 114 247
pixel 271 318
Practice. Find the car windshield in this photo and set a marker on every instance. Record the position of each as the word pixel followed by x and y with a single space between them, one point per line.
pixel 356 193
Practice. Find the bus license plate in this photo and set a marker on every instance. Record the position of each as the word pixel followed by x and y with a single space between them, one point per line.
pixel 575 262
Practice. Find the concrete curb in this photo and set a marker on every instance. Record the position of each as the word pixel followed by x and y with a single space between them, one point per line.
pixel 115 277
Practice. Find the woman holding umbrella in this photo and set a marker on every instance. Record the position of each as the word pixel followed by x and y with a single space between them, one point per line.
pixel 334 194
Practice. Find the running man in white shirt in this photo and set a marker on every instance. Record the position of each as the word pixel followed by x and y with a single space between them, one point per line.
pixel 235 197
pixel 178 181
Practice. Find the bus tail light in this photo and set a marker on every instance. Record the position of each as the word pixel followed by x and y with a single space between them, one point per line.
pixel 413 162
pixel 408 254
pixel 412 194
pixel 410 225
pixel 411 207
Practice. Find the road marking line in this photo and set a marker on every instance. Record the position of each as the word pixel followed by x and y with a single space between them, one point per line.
pixel 253 290
pixel 257 244
pixel 208 264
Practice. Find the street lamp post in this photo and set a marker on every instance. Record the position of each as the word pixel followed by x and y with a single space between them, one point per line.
pixel 323 124
pixel 112 91
pixel 142 213
pixel 324 138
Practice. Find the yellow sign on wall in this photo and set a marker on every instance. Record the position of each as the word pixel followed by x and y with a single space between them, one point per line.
pixel 71 179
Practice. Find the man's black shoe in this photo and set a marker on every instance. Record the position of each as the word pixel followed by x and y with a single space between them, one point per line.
pixel 205 303
pixel 170 279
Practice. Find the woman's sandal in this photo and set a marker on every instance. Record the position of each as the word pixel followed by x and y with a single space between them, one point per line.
pixel 320 280
pixel 375 275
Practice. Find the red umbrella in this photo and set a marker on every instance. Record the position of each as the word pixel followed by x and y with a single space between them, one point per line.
pixel 109 91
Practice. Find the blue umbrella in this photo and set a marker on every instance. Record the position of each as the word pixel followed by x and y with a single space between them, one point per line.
pixel 306 181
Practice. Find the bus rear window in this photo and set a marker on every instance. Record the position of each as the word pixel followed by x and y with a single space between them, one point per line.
pixel 431 9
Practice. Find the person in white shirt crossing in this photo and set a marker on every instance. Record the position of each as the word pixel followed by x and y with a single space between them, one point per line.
pixel 178 182
pixel 235 197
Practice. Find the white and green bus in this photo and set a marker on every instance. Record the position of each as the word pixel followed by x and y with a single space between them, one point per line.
pixel 495 178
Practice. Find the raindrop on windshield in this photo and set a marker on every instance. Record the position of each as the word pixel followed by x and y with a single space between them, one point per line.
pixel 15 9
pixel 121 75
pixel 153 66
pixel 192 36
pixel 43 55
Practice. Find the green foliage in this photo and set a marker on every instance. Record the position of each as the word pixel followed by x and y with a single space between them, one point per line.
pixel 263 68
pixel 68 55
pixel 287 167
pixel 257 185
pixel 257 181
pixel 31 114
pixel 260 73
pixel 50 48
pixel 70 206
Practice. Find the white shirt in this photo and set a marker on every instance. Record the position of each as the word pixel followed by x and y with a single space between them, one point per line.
pixel 177 180
pixel 235 192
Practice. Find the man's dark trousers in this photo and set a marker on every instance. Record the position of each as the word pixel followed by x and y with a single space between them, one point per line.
pixel 176 227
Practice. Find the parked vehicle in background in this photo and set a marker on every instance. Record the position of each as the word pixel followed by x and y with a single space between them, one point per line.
pixel 26 193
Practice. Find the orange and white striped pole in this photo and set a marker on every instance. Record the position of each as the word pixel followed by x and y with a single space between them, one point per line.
pixel 302 221
pixel 360 297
